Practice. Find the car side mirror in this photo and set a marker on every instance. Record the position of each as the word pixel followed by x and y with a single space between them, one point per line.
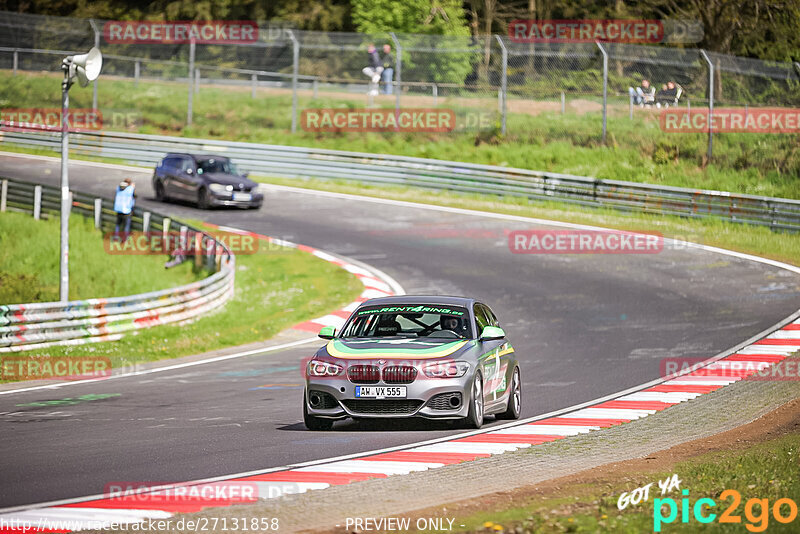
pixel 246 174
pixel 327 332
pixel 492 332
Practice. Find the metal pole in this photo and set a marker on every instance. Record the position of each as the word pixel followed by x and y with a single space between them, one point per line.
pixel 605 88
pixel 16 61
pixel 96 45
pixel 295 70
pixel 98 213
pixel 563 103
pixel 797 67
pixel 253 81
pixel 146 222
pixel 398 75
pixel 136 72
pixel 3 194
pixel 65 204
pixel 196 80
pixel 710 102
pixel 37 202
pixel 503 84
pixel 315 85
pixel 191 70
pixel 435 94
pixel 630 107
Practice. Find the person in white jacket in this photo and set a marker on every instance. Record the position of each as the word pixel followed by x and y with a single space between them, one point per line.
pixel 124 199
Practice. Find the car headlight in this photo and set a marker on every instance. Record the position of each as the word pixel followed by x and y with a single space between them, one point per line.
pixel 445 369
pixel 318 368
pixel 219 188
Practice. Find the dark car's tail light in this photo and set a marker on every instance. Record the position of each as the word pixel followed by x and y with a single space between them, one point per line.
pixel 399 374
pixel 364 374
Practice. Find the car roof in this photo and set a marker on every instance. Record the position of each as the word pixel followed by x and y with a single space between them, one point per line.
pixel 437 300
pixel 195 156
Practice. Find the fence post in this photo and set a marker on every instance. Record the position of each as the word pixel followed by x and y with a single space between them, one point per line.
pixel 435 94
pixel 165 229
pixel 253 82
pixel 191 95
pixel 96 45
pixel 295 70
pixel 605 88
pixel 98 213
pixel 315 86
pixel 398 75
pixel 710 102
pixel 630 107
pixel 797 67
pixel 146 222
pixel 503 84
pixel 16 61
pixel 3 194
pixel 196 80
pixel 563 103
pixel 37 202
pixel 198 249
pixel 136 72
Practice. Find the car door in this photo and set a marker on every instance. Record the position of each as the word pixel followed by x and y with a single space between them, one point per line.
pixel 490 363
pixel 186 179
pixel 171 169
pixel 507 358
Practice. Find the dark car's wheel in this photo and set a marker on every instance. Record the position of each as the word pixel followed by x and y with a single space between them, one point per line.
pixel 160 194
pixel 475 416
pixel 514 398
pixel 204 199
pixel 315 423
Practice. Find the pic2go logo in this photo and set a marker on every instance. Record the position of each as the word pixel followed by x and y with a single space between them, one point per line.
pixel 756 511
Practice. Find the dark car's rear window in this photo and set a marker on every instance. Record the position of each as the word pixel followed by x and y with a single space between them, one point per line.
pixel 223 166
pixel 413 320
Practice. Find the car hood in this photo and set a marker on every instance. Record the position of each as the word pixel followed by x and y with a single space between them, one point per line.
pixel 228 179
pixel 394 349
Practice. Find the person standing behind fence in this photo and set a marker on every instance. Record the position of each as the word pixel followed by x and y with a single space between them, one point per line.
pixel 388 69
pixel 124 199
pixel 373 69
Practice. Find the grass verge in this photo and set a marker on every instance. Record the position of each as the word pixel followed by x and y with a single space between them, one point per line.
pixel 537 138
pixel 29 263
pixel 276 288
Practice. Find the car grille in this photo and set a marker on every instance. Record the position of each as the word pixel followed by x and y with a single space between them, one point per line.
pixel 399 374
pixel 364 374
pixel 443 401
pixel 326 400
pixel 383 407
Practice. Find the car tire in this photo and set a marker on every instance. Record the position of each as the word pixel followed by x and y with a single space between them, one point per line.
pixel 475 415
pixel 514 407
pixel 315 423
pixel 203 199
pixel 160 194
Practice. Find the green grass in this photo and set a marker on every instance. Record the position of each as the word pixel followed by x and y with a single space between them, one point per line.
pixel 636 150
pixel 768 470
pixel 276 288
pixel 29 263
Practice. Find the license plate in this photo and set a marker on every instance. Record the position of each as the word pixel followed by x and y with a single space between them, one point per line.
pixel 242 197
pixel 380 392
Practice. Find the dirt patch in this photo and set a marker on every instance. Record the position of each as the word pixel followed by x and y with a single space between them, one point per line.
pixel 780 422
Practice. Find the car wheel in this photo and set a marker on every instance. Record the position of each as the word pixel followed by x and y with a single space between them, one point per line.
pixel 315 423
pixel 475 416
pixel 204 199
pixel 514 398
pixel 160 195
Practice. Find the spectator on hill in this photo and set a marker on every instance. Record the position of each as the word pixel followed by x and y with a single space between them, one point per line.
pixel 124 199
pixel 668 95
pixel 388 69
pixel 643 94
pixel 373 69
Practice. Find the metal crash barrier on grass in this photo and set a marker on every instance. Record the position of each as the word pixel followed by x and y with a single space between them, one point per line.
pixel 301 162
pixel 44 324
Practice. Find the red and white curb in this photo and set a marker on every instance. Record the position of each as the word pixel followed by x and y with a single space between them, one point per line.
pixel 376 283
pixel 751 357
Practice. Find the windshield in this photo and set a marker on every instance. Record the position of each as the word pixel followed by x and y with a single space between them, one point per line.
pixel 413 321
pixel 223 166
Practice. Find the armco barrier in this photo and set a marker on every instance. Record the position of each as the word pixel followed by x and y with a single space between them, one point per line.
pixel 300 162
pixel 44 324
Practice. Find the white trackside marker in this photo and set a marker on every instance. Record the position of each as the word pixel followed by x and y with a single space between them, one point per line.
pixel 548 430
pixel 785 334
pixel 472 448
pixel 672 397
pixel 767 349
pixel 273 490
pixel 368 466
pixel 701 381
pixel 609 413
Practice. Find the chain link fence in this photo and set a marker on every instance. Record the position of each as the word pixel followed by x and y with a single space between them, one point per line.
pixel 583 93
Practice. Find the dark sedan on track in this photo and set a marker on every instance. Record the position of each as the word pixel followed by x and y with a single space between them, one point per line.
pixel 207 181
pixel 414 356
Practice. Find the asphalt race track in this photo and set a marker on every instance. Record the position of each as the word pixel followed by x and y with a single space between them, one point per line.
pixel 583 326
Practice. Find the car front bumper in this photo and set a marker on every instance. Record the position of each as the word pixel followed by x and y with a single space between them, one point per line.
pixel 425 397
pixel 226 199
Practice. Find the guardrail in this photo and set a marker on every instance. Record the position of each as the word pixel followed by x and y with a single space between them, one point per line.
pixel 44 324
pixel 301 162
